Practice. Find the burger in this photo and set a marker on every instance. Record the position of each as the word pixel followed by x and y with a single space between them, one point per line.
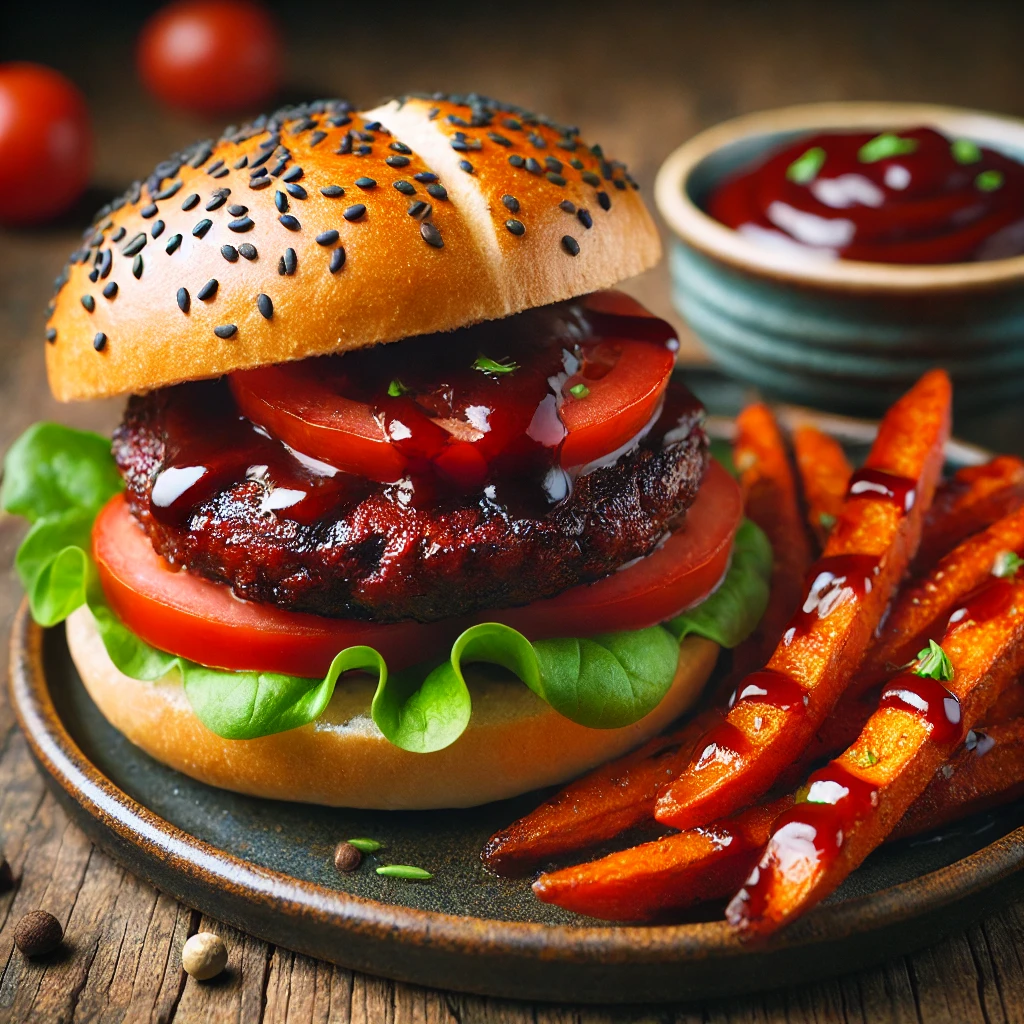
pixel 406 509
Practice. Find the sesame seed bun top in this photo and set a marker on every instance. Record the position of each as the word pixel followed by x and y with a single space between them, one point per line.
pixel 319 230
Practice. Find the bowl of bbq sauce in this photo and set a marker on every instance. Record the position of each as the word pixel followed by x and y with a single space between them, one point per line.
pixel 831 253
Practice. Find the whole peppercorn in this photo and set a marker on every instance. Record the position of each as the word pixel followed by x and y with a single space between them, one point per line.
pixel 204 956
pixel 6 875
pixel 38 933
pixel 347 857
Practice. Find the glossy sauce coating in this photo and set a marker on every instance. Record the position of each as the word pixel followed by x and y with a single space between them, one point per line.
pixel 927 698
pixel 913 196
pixel 768 686
pixel 988 601
pixel 875 483
pixel 832 582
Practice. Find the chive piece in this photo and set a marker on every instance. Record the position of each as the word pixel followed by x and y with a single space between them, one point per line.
pixel 869 758
pixel 827 520
pixel 396 388
pixel 579 391
pixel 365 845
pixel 964 151
pixel 805 168
pixel 1006 564
pixel 404 871
pixel 934 663
pixel 487 365
pixel 883 146
pixel 989 181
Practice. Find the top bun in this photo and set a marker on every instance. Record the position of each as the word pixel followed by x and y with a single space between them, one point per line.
pixel 319 230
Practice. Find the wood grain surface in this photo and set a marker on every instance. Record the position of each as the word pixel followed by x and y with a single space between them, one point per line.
pixel 638 77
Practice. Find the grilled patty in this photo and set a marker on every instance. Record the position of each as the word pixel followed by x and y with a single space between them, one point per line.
pixel 377 552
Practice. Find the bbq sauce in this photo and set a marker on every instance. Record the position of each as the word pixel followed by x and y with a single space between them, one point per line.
pixel 912 196
pixel 831 583
pixel 770 687
pixel 986 602
pixel 928 699
pixel 901 491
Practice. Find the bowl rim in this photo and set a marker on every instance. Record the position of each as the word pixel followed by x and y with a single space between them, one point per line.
pixel 705 234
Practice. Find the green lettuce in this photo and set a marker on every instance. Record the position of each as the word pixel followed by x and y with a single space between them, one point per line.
pixel 59 479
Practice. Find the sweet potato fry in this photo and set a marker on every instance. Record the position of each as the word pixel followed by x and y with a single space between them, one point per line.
pixel 974 498
pixel 770 500
pixel 921 609
pixel 778 711
pixel 851 805
pixel 825 474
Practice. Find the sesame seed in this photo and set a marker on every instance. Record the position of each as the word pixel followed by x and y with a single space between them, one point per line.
pixel 400 147
pixel 216 202
pixel 230 253
pixel 157 229
pixel 99 342
pixel 537 140
pixel 533 165
pixel 619 184
pixel 419 209
pixel 137 244
pixel 172 243
pixel 327 237
pixel 354 212
pixel 511 203
pixel 437 192
pixel 202 227
pixel 258 183
pixel 332 191
pixel 366 183
pixel 552 164
pixel 296 191
pixel 51 334
pixel 591 178
pixel 337 259
pixel 225 330
pixel 89 302
pixel 281 202
pixel 110 290
pixel 372 126
pixel 265 306
pixel 499 139
pixel 167 191
pixel 148 211
pixel 604 201
pixel 512 124
pixel 240 163
pixel 555 179
pixel 425 177
pixel 288 262
pixel 215 167
pixel 107 261
pixel 118 235
pixel 431 235
pixel 465 165
pixel 237 209
pixel 137 267
pixel 577 163
pixel 316 138
pixel 247 251
pixel 570 245
pixel 567 205
pixel 290 222
pixel 208 290
pixel 94 274
pixel 517 227
pixel 516 160
pixel 397 161
pixel 184 300
pixel 190 201
pixel 242 224
pixel 583 216
pixel 279 167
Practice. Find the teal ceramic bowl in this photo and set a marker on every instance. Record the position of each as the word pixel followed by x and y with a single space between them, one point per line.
pixel 840 334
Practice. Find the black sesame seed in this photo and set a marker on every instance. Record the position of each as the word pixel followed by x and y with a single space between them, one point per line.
pixel 290 222
pixel 499 139
pixel 346 144
pixel 517 227
pixel 172 243
pixel 397 161
pixel 89 302
pixel 94 274
pixel 137 267
pixel 555 179
pixel 511 203
pixel 258 183
pixel 281 201
pixel 202 227
pixel 533 165
pixel 337 259
pixel 400 147
pixel 425 177
pixel 288 262
pixel 366 183
pixel 230 253
pixel 237 210
pixel 604 201
pixel 265 306
pixel 354 212
pixel 465 165
pixel 281 164
pixel 619 184
pixel 137 244
pixel 148 211
pixel 567 205
pixel 110 290
pixel 240 163
pixel 107 261
pixel 208 290
pixel 167 191
pixel 512 124
pixel 157 229
pixel 431 235
pixel 552 164
pixel 327 237
pixel 437 192
pixel 118 235
pixel 537 140
pixel 247 251
pixel 316 138
pixel 225 330
pixel 259 161
pixel 216 202
pixel 296 191
pixel 190 201
pixel 578 164
pixel 99 342
pixel 51 334
pixel 372 126
pixel 215 167
pixel 184 300
pixel 332 191
pixel 591 178
pixel 241 225
pixel 419 209
pixel 516 160
pixel 583 216
pixel 570 245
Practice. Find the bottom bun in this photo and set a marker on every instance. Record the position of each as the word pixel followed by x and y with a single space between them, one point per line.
pixel 515 742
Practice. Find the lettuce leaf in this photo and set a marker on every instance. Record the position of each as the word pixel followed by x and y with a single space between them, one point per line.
pixel 59 478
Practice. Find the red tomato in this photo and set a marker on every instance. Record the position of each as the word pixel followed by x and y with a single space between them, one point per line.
pixel 45 142
pixel 202 620
pixel 211 56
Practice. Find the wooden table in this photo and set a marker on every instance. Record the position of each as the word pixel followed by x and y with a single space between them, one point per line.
pixel 639 80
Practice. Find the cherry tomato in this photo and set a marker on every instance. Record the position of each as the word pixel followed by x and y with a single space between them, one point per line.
pixel 211 56
pixel 45 143
pixel 201 620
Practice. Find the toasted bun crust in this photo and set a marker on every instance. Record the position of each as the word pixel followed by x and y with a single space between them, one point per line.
pixel 515 742
pixel 311 281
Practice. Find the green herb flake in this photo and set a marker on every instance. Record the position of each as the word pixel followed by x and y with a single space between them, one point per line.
pixel 989 181
pixel 883 146
pixel 404 871
pixel 1006 564
pixel 487 365
pixel 868 758
pixel 579 391
pixel 827 520
pixel 805 168
pixel 934 663
pixel 365 845
pixel 964 151
pixel 396 388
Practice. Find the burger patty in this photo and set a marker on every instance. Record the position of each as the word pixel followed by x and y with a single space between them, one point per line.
pixel 383 557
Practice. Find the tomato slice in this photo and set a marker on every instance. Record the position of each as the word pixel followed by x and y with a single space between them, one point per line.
pixel 203 621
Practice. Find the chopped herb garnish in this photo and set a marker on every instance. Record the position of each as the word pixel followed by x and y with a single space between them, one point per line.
pixel 827 520
pixel 965 152
pixel 579 391
pixel 934 663
pixel 868 758
pixel 804 169
pixel 365 845
pixel 1006 564
pixel 883 146
pixel 396 388
pixel 989 181
pixel 404 871
pixel 487 365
